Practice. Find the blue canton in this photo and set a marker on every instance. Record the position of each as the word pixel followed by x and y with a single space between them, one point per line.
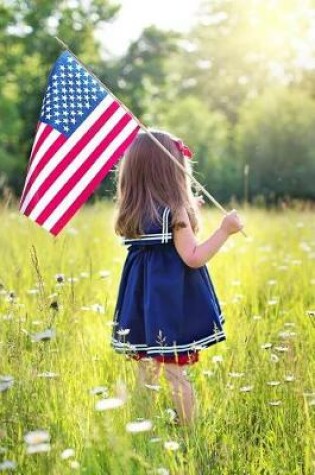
pixel 72 94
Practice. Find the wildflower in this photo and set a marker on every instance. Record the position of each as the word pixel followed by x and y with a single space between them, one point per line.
pixel 33 291
pixel 67 453
pixel 162 471
pixel 84 275
pixel 60 278
pixel 236 375
pixel 171 445
pixel 217 358
pixel 246 389
pixel 273 383
pixel 266 346
pixel 74 464
pixel 44 336
pixel 123 332
pixel 109 403
pixel 155 439
pixel 6 382
pixel 272 282
pixel 48 375
pixel 274 358
pixel 273 301
pixel 289 378
pixel 257 317
pixel 153 387
pixel 275 403
pixel 104 274
pixel 7 465
pixel 98 390
pixel 37 448
pixel 72 279
pixel 207 372
pixel 282 349
pixel 171 414
pixel 141 426
pixel 37 437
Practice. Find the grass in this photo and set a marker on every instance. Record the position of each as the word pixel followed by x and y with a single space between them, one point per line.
pixel 257 400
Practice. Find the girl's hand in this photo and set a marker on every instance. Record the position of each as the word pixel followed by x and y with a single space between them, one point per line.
pixel 199 200
pixel 231 223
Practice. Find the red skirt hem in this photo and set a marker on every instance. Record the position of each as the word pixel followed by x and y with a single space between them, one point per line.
pixel 177 359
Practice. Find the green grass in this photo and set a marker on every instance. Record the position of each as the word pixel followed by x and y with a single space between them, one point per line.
pixel 266 285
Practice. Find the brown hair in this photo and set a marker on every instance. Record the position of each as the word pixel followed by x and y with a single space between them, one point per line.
pixel 148 178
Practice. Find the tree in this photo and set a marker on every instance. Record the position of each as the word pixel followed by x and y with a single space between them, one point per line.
pixel 275 137
pixel 29 51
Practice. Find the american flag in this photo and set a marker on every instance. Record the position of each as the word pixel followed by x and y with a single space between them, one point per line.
pixel 82 132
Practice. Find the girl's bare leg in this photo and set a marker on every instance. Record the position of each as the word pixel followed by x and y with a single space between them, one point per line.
pixel 182 392
pixel 148 374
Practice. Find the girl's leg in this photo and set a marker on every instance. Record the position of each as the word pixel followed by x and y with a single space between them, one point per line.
pixel 148 373
pixel 182 392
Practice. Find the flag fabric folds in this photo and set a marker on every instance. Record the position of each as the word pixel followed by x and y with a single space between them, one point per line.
pixel 82 132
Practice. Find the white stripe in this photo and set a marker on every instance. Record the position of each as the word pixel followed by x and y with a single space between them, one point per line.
pixel 168 349
pixel 202 340
pixel 166 224
pixel 52 137
pixel 157 238
pixel 163 228
pixel 39 132
pixel 89 175
pixel 66 147
pixel 79 159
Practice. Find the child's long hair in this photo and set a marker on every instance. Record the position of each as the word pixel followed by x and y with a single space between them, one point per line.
pixel 148 178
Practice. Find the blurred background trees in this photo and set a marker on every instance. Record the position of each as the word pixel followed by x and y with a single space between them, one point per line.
pixel 239 88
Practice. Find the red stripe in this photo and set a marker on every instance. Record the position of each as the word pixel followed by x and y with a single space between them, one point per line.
pixel 55 146
pixel 93 184
pixel 76 149
pixel 83 169
pixel 45 133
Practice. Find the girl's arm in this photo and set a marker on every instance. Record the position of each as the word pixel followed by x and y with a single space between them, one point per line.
pixel 196 255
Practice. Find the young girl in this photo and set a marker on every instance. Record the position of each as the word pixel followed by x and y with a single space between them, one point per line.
pixel 167 309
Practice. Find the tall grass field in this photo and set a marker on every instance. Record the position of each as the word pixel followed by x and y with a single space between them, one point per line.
pixel 70 404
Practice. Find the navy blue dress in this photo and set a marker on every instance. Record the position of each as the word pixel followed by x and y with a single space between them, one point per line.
pixel 164 307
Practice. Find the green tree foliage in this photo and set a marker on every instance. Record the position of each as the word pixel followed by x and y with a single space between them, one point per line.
pixel 28 51
pixel 275 138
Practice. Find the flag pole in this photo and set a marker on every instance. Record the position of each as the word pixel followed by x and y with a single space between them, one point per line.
pixel 161 146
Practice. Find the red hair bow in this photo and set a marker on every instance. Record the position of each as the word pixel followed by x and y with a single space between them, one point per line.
pixel 183 148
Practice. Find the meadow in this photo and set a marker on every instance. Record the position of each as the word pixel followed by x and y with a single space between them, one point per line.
pixel 60 380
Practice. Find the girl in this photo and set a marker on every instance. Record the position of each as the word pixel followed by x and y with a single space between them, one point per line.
pixel 167 309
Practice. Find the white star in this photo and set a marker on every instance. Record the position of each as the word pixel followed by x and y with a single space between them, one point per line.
pixel 94 98
pixel 66 128
pixel 87 104
pixel 80 113
pixel 57 121
pixel 48 116
pixel 72 120
pixel 62 67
